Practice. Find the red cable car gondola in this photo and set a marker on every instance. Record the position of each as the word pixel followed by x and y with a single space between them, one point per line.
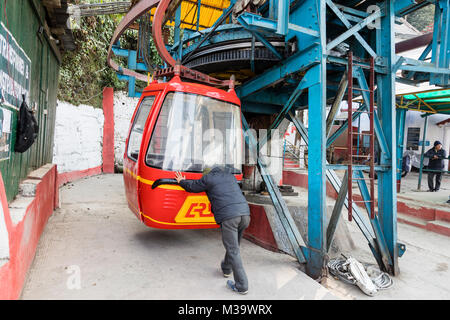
pixel 179 126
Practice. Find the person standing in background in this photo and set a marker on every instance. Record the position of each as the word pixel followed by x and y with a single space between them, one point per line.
pixel 437 156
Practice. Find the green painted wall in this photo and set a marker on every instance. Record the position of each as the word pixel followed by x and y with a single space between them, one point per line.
pixel 23 19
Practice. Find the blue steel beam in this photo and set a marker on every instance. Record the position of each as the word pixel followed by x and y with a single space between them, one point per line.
pixel 177 33
pixel 279 204
pixel 424 134
pixel 360 219
pixel 317 153
pixel 420 66
pixel 301 61
pixel 352 30
pixel 401 114
pixel 385 152
pixel 441 42
pixel 356 166
pixel 132 64
pixel 132 58
pixel 422 57
pixel 352 11
pixel 269 97
pixel 283 17
pixel 404 7
pixel 379 66
pixel 284 111
pixel 260 108
pixel 386 258
pixel 373 234
pixel 306 22
pixel 221 34
pixel 257 23
pixel 219 21
pixel 337 209
pixel 257 35
pixel 387 193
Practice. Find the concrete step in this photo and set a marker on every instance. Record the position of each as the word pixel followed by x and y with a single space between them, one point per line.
pixel 443 215
pixel 411 220
pixel 441 227
pixel 438 226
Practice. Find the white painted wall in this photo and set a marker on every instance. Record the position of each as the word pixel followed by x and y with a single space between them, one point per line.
pixel 123 111
pixel 434 132
pixel 78 137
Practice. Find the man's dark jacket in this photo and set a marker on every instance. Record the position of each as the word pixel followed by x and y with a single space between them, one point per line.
pixel 223 191
pixel 436 164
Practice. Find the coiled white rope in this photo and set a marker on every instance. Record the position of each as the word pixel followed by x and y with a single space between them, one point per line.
pixel 346 269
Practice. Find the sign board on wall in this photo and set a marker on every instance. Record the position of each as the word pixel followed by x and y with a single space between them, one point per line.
pixel 15 82
pixel 5 133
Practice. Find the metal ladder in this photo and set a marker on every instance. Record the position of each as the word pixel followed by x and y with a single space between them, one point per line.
pixel 352 157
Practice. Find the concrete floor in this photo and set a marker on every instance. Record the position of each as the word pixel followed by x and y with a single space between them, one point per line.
pixel 424 267
pixel 410 193
pixel 94 241
pixel 95 235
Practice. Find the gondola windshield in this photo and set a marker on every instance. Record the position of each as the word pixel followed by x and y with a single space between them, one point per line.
pixel 194 131
pixel 137 129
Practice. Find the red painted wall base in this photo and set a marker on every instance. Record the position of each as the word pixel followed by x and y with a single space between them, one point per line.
pixel 259 231
pixel 66 177
pixel 24 237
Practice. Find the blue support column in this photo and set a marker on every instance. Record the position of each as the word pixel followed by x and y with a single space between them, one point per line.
pixel 316 153
pixel 441 42
pixel 401 114
pixel 199 5
pixel 283 17
pixel 425 125
pixel 387 195
pixel 177 33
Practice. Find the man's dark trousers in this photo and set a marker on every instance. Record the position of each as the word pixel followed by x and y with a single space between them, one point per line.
pixel 431 176
pixel 232 231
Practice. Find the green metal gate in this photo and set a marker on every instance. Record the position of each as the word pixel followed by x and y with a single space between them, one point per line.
pixel 24 19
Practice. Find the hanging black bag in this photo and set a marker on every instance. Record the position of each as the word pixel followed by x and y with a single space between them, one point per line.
pixel 27 129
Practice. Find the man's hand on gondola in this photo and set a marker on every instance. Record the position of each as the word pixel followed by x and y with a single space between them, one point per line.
pixel 179 176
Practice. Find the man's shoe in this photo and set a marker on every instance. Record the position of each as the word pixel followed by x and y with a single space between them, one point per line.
pixel 227 275
pixel 232 286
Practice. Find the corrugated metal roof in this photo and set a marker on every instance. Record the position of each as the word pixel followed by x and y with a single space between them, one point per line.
pixel 210 11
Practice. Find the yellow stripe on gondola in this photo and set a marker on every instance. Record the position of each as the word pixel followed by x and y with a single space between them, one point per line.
pixel 178 224
pixel 149 182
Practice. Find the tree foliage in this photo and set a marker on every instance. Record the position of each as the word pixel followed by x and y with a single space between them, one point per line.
pixel 84 72
pixel 422 18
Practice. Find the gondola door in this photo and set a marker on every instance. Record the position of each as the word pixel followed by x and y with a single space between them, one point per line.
pixel 132 152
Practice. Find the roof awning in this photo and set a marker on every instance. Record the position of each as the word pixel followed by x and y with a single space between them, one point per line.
pixel 432 101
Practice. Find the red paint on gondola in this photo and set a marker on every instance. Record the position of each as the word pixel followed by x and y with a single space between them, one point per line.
pixel 169 206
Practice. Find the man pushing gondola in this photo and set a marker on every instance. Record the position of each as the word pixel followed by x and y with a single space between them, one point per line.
pixel 231 212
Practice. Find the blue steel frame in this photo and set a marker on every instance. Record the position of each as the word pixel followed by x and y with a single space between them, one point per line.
pixel 132 64
pixel 370 34
pixel 306 21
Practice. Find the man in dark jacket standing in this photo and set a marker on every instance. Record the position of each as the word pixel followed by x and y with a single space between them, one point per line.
pixel 437 156
pixel 231 212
